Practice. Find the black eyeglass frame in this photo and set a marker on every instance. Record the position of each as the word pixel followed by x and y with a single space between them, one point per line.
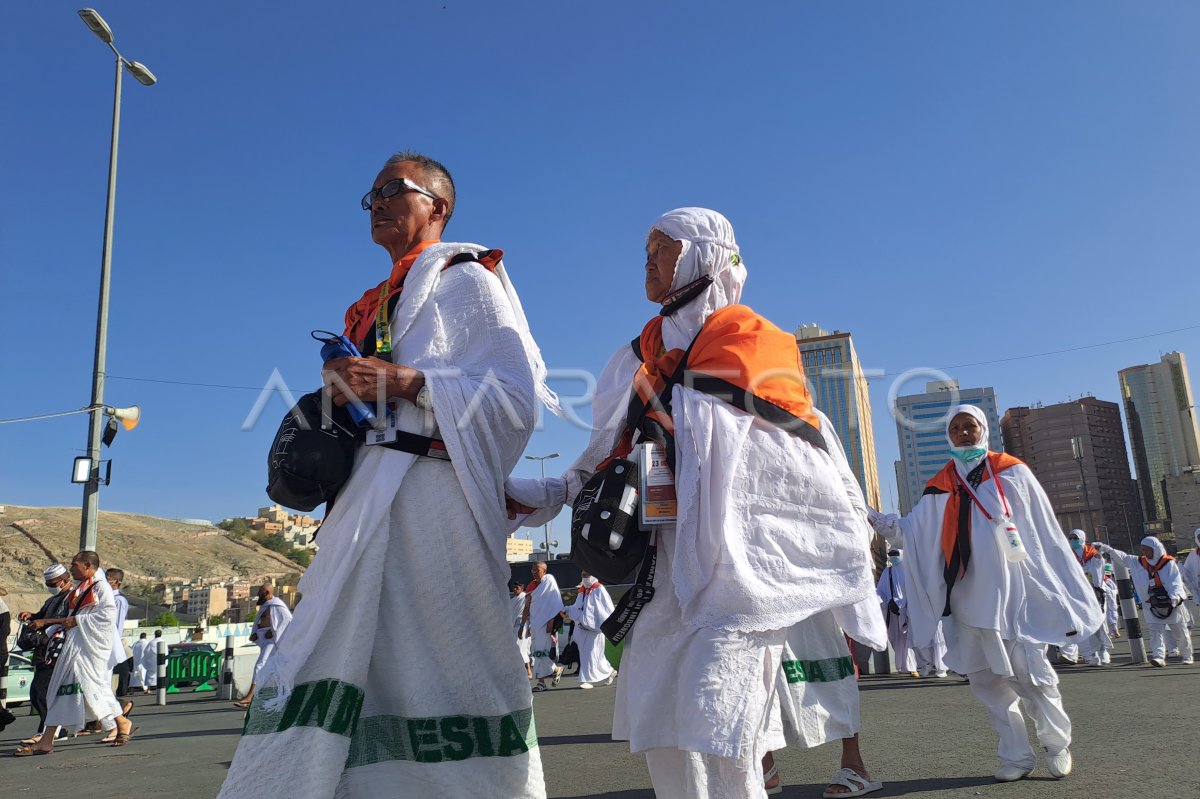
pixel 391 189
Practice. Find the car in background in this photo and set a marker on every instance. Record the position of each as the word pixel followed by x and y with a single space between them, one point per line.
pixel 189 646
pixel 20 678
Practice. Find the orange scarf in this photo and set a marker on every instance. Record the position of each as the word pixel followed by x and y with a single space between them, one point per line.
pixel 584 590
pixel 1089 552
pixel 947 481
pixel 360 317
pixel 749 362
pixel 1156 568
pixel 82 595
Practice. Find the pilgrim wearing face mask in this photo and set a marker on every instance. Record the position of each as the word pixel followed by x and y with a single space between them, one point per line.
pixel 984 554
pixel 1159 584
pixel 1096 647
pixel 765 536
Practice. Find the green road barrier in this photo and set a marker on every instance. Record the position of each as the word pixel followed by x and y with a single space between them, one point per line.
pixel 201 668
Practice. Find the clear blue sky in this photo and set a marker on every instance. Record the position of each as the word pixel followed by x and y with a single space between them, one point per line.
pixel 951 182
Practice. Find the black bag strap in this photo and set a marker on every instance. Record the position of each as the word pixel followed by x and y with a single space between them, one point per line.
pixel 617 625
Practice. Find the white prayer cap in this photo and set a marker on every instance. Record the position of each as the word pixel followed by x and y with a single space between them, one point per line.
pixel 54 572
pixel 1156 546
pixel 709 250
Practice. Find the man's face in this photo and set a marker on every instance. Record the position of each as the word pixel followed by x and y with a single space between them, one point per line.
pixel 116 584
pixel 397 222
pixel 538 570
pixel 965 430
pixel 662 254
pixel 61 584
pixel 263 595
pixel 81 571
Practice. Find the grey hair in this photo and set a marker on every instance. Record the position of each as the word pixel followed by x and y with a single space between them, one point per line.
pixel 437 177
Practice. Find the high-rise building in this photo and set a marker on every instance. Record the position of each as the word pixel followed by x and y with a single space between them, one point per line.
pixel 1077 452
pixel 921 427
pixel 839 388
pixel 1160 413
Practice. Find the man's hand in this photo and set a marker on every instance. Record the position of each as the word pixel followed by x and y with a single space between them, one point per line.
pixel 369 379
pixel 513 507
pixel 550 626
pixel 24 615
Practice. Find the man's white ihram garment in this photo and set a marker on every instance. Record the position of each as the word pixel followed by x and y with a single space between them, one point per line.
pixel 591 607
pixel 545 603
pixel 278 617
pixel 1172 579
pixel 1003 614
pixel 138 678
pixel 395 721
pixel 891 589
pixel 81 686
pixel 766 537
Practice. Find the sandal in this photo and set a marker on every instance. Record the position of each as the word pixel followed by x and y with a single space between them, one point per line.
pixel 29 751
pixel 32 740
pixel 857 785
pixel 124 737
pixel 772 774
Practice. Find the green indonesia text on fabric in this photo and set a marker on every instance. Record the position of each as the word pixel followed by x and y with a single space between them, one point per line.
pixel 826 670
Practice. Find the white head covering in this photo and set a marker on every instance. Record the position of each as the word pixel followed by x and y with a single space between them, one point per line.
pixel 1196 535
pixel 1079 535
pixel 54 571
pixel 709 248
pixel 1157 546
pixel 970 410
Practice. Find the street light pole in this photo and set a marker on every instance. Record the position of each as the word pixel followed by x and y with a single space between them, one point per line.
pixel 96 416
pixel 541 459
pixel 1077 451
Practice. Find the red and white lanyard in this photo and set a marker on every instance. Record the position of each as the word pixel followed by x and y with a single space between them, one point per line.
pixel 999 488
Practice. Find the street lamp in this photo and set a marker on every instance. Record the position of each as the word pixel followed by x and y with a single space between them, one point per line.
pixel 541 459
pixel 97 422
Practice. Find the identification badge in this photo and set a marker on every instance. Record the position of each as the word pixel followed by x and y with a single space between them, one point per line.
pixel 385 434
pixel 659 505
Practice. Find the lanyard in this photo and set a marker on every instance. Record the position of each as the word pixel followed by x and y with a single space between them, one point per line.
pixel 383 327
pixel 999 488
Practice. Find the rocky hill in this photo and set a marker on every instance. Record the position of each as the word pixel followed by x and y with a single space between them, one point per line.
pixel 150 550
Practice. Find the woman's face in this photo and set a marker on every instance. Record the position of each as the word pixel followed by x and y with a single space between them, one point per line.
pixel 965 430
pixel 662 254
pixel 1147 553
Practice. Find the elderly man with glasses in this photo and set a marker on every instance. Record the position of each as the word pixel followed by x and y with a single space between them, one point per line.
pixel 357 699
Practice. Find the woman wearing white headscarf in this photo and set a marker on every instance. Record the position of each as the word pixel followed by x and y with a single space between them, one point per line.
pixel 765 537
pixel 963 545
pixel 1191 571
pixel 1154 571
pixel 1095 648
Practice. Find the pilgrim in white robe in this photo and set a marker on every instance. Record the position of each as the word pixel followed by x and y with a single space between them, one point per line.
pixel 1179 618
pixel 890 591
pixel 1002 614
pixel 81 686
pixel 545 603
pixel 273 616
pixel 149 663
pixel 765 538
pixel 591 607
pixel 520 628
pixel 395 720
pixel 1190 571
pixel 1095 648
pixel 137 678
pixel 1112 603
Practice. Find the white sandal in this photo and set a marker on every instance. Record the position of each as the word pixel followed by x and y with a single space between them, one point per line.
pixel 857 783
pixel 768 775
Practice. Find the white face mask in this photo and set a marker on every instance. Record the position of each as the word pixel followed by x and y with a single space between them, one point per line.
pixel 589 581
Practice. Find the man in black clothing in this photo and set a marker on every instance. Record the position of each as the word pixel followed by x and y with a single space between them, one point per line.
pixel 58 578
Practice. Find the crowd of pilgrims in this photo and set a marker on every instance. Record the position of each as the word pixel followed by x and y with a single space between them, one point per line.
pixel 762 574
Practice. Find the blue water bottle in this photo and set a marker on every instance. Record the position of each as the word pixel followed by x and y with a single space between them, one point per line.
pixel 335 346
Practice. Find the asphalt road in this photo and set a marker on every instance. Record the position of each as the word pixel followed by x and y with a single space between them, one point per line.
pixel 1137 731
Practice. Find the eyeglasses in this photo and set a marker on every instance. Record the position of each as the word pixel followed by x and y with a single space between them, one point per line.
pixel 391 189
